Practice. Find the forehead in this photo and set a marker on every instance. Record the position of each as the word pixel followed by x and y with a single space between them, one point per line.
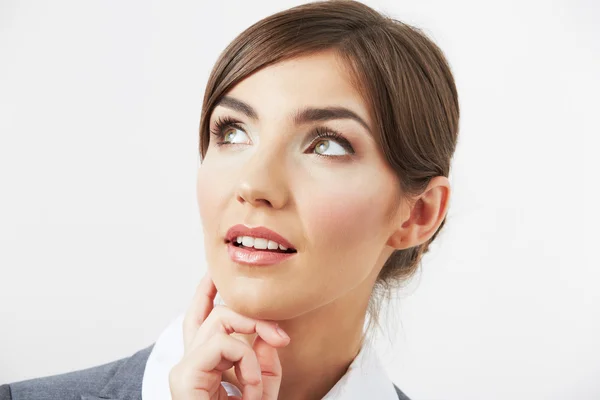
pixel 314 80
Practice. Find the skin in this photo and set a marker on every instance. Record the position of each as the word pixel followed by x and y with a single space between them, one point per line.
pixel 334 209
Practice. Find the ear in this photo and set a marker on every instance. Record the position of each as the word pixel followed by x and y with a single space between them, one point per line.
pixel 418 221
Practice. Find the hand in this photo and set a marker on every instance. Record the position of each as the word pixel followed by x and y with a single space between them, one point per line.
pixel 209 350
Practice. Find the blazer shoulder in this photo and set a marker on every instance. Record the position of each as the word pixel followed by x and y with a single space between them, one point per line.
pixel 5 392
pixel 74 385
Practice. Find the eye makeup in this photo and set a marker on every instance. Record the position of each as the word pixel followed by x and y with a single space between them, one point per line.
pixel 322 133
pixel 221 126
pixel 319 134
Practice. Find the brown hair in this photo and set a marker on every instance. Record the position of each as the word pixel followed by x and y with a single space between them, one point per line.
pixel 404 76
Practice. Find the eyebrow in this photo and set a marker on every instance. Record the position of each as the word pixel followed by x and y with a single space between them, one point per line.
pixel 301 116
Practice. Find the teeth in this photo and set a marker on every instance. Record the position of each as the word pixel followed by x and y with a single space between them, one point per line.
pixel 259 243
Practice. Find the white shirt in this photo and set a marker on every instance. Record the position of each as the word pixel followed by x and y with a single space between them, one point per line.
pixel 364 379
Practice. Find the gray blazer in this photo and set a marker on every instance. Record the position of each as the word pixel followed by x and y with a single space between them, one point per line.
pixel 117 380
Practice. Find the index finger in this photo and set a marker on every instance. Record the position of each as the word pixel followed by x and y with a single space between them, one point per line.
pixel 202 305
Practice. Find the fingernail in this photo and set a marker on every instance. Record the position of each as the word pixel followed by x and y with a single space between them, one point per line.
pixel 281 332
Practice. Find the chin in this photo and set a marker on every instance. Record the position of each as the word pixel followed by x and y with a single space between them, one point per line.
pixel 260 302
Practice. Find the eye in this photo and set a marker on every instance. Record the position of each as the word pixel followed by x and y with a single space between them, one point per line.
pixel 329 143
pixel 327 147
pixel 228 131
pixel 234 135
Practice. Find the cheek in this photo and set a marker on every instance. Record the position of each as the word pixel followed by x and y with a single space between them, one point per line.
pixel 346 218
pixel 345 230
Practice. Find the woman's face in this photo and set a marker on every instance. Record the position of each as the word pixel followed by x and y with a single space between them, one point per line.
pixel 330 195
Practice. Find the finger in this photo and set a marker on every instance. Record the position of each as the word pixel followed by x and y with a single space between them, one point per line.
pixel 222 319
pixel 199 310
pixel 270 366
pixel 216 355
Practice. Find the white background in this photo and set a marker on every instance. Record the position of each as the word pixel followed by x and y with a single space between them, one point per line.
pixel 100 239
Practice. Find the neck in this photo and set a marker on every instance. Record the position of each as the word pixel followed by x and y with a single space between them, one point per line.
pixel 309 372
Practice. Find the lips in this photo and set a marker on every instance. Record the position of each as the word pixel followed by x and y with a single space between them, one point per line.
pixel 258 232
pixel 257 257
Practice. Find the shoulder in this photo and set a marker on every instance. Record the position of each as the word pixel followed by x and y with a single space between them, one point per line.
pixel 121 378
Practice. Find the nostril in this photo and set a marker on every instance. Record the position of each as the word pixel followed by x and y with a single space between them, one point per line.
pixel 253 200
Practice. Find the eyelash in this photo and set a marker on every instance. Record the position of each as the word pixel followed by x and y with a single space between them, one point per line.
pixel 222 123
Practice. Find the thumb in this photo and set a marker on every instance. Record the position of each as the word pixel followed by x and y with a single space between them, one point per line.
pixel 270 368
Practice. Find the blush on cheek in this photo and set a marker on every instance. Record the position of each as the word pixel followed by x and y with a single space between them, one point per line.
pixel 345 219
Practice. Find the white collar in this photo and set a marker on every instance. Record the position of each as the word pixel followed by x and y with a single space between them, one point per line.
pixel 365 378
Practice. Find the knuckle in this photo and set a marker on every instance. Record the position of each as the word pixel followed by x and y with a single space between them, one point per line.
pixel 218 314
pixel 222 341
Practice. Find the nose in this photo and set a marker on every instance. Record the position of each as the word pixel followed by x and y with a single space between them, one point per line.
pixel 263 181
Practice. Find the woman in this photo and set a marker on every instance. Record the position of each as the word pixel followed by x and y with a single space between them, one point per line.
pixel 326 136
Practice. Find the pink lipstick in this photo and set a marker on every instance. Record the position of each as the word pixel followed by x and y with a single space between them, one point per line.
pixel 257 246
